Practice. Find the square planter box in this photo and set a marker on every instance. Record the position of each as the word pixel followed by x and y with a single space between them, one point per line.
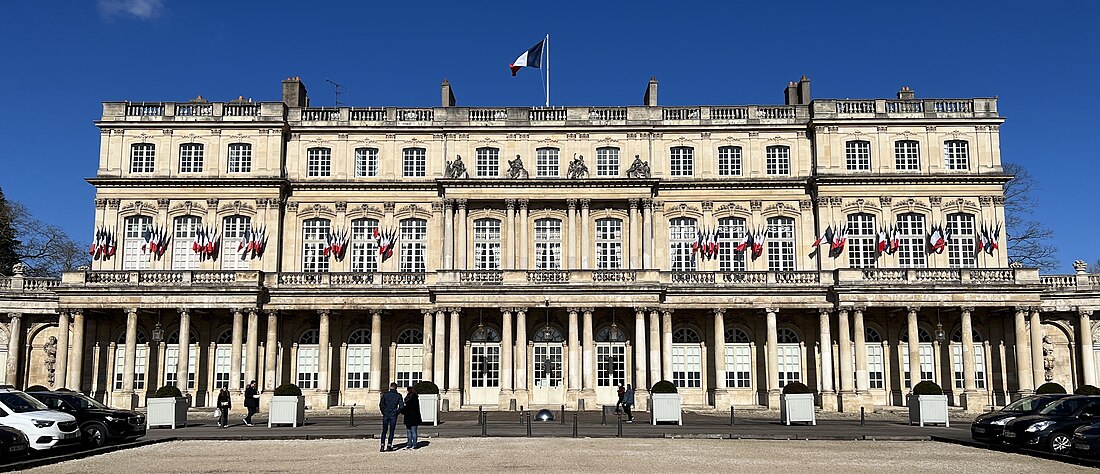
pixel 166 412
pixel 429 409
pixel 286 410
pixel 666 407
pixel 797 408
pixel 928 409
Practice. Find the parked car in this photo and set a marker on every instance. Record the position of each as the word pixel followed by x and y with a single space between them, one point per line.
pixel 98 422
pixel 13 444
pixel 44 428
pixel 1086 441
pixel 989 426
pixel 1052 427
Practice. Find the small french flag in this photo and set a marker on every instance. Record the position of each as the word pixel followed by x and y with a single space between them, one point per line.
pixel 530 58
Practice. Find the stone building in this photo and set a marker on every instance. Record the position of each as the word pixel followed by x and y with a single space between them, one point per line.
pixel 541 256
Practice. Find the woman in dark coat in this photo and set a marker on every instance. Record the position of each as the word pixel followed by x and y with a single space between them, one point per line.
pixel 412 417
pixel 224 405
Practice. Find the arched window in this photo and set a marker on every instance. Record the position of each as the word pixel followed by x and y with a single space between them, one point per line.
pixel 857 155
pixel 485 334
pixel 960 249
pixel 547 244
pixel 309 352
pixel 135 255
pixel 610 356
pixel 223 353
pixel 979 358
pixel 314 236
pixel 141 360
pixel 172 357
pixel 956 155
pixel 786 336
pixel 687 358
pixel 685 336
pixel 610 334
pixel 364 247
pixel 681 161
pixel 780 243
pixel 366 162
pixel 609 243
pixel 358 359
pixel 876 365
pixel 240 158
pixel 488 162
pixel 414 245
pixel 789 356
pixel 191 158
pixel 234 229
pixel 907 155
pixel 414 162
pixel 409 355
pixel 143 158
pixel 186 231
pixel 778 160
pixel 318 162
pixel 487 244
pixel 738 359
pixel 861 241
pixel 729 161
pixel 736 336
pixel 607 161
pixel 410 336
pixel 546 162
pixel 681 234
pixel 310 336
pixel 731 230
pixel 549 333
pixel 911 235
pixel 226 337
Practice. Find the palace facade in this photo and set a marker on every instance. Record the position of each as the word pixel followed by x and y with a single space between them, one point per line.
pixel 541 256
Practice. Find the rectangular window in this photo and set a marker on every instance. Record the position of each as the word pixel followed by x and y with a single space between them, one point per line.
pixel 729 161
pixel 143 158
pixel 358 366
pixel 488 162
pixel 607 161
pixel 546 162
pixel 318 162
pixel 926 366
pixel 610 364
pixel 681 235
pixel 687 365
pixel 730 232
pixel 857 155
pixel 862 248
pixel 778 160
pixel 134 256
pixel 307 365
pixel 233 235
pixel 414 162
pixel 222 355
pixel 609 244
pixel 171 361
pixel 911 241
pixel 907 155
pixel 409 364
pixel 780 244
pixel 366 162
pixel 790 363
pixel 681 161
pixel 364 247
pixel 960 248
pixel 414 245
pixel 485 365
pixel 738 366
pixel 547 244
pixel 314 240
pixel 140 359
pixel 548 365
pixel 487 244
pixel 186 232
pixel 191 158
pixel 876 369
pixel 956 155
pixel 240 158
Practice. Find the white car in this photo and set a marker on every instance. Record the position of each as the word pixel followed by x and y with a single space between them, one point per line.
pixel 44 428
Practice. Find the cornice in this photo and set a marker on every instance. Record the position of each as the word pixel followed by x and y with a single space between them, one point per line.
pixel 864 180
pixel 550 183
pixel 173 182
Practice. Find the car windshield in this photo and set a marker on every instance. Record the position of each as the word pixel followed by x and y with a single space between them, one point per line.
pixel 1063 407
pixel 1028 404
pixel 83 402
pixel 19 402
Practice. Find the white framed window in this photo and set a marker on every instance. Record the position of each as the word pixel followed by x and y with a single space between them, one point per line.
pixel 546 162
pixel 609 244
pixel 687 359
pixel 409 356
pixel 143 158
pixel 857 155
pixel 956 154
pixel 777 160
pixel 308 354
pixel 318 162
pixel 366 162
pixel 172 357
pixel 485 358
pixel 780 244
pixel 547 244
pixel 487 244
pixel 681 234
pixel 607 161
pixel 862 248
pixel 738 359
pixel 960 250
pixel 610 364
pixel 233 230
pixel 548 359
pixel 223 353
pixel 133 258
pixel 414 245
pixel 240 158
pixel 681 161
pixel 876 364
pixel 414 162
pixel 729 161
pixel 488 162
pixel 141 361
pixel 358 359
pixel 907 155
pixel 789 353
pixel 186 230
pixel 911 241
pixel 924 347
pixel 314 233
pixel 191 158
pixel 731 231
pixel 364 247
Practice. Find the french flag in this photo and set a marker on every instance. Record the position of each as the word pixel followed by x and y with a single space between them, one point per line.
pixel 530 58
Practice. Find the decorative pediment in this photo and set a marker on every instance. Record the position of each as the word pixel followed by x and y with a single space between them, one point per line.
pixel 138 207
pixel 859 206
pixel 780 209
pixel 236 207
pixel 902 206
pixel 316 210
pixel 960 205
pixel 732 209
pixel 605 141
pixel 365 142
pixel 730 140
pixel 413 210
pixel 365 210
pixel 681 210
pixel 486 141
pixel 188 208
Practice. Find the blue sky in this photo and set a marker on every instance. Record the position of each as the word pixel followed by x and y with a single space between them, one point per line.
pixel 60 59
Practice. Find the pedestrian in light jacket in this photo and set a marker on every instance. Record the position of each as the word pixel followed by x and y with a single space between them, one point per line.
pixel 224 404
pixel 251 401
pixel 412 417
pixel 390 405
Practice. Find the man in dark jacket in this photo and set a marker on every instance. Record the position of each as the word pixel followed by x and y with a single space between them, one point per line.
pixel 628 403
pixel 390 405
pixel 251 401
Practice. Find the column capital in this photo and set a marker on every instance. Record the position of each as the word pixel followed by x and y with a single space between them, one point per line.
pixel 633 203
pixel 573 311
pixel 510 204
pixel 506 310
pixel 1023 309
pixel 15 315
pixel 461 204
pixel 1085 313
pixel 966 309
pixel 859 308
pixel 913 309
pixel 130 311
pixel 520 310
pixel 522 204
pixel 571 204
pixel 183 311
pixel 77 312
pixel 719 311
pixel 454 310
pixel 825 311
pixel 647 204
pixel 447 204
pixel 324 312
pixel 640 309
pixel 272 313
pixel 772 310
pixel 427 311
pixel 585 203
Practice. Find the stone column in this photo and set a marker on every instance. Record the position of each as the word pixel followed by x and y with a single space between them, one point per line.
pixel 585 242
pixel 461 253
pixel 859 333
pixel 826 344
pixel 15 347
pixel 720 348
pixel 130 356
pixel 969 384
pixel 271 350
pixel 773 354
pixel 324 351
pixel 844 339
pixel 574 352
pixel 654 346
pixel 647 233
pixel 521 351
pixel 76 354
pixel 252 347
pixel 589 351
pixel 454 354
pixel 448 235
pixel 184 359
pixel 666 344
pixel 639 350
pixel 62 365
pixel 633 238
pixel 506 361
pixel 1025 383
pixel 1037 348
pixel 439 366
pixel 1088 362
pixel 523 242
pixel 235 351
pixel 428 346
pixel 914 347
pixel 509 237
pixel 376 350
pixel 571 233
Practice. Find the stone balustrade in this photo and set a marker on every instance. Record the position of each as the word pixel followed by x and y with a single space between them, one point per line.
pixel 931 276
pixel 160 278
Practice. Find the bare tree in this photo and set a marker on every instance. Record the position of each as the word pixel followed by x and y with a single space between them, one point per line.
pixel 44 248
pixel 1028 239
pixel 1094 267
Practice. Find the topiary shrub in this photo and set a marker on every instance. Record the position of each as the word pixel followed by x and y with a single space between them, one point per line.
pixel 663 386
pixel 167 391
pixel 1050 388
pixel 1087 390
pixel 36 388
pixel 927 387
pixel 796 387
pixel 288 390
pixel 426 387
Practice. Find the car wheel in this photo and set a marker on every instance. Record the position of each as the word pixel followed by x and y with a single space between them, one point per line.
pixel 95 435
pixel 1059 443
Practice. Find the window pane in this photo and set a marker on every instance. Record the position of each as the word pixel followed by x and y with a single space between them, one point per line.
pixel 366 162
pixel 780 244
pixel 184 256
pixel 907 155
pixel 134 255
pixel 142 158
pixel 681 234
pixel 729 161
pixel 233 234
pixel 609 244
pixel 488 162
pixel 731 231
pixel 911 241
pixel 240 158
pixel 956 155
pixel 319 162
pixel 857 154
pixel 681 161
pixel 314 234
pixel 778 160
pixel 547 244
pixel 607 161
pixel 487 244
pixel 414 162
pixel 546 160
pixel 861 241
pixel 364 247
pixel 414 245
pixel 191 158
pixel 960 249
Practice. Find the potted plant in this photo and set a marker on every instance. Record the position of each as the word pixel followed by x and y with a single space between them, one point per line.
pixel 428 393
pixel 797 404
pixel 665 403
pixel 1050 388
pixel 928 405
pixel 1087 390
pixel 167 407
pixel 287 406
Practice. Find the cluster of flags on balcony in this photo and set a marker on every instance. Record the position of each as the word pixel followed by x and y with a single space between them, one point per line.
pixel 386 241
pixel 834 235
pixel 986 238
pixel 104 244
pixel 253 241
pixel 938 238
pixel 753 240
pixel 336 243
pixel 156 241
pixel 706 242
pixel 206 242
pixel 887 241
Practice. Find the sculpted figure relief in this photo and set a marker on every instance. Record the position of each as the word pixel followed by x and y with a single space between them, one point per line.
pixel 515 169
pixel 456 169
pixel 638 169
pixel 1048 358
pixel 577 169
pixel 50 348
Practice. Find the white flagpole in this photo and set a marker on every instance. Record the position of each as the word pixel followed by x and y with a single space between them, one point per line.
pixel 547 69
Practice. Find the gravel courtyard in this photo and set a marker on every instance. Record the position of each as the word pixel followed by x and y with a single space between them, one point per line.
pixel 562 455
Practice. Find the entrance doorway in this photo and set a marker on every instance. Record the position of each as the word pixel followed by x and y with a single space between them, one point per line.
pixel 548 386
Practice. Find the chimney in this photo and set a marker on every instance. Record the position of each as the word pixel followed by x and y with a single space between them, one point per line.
pixel 790 94
pixel 803 91
pixel 906 93
pixel 294 92
pixel 650 98
pixel 448 94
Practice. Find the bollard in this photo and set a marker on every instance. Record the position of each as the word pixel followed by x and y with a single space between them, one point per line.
pixel 528 424
pixel 603 411
pixel 563 414
pixel 479 413
pixel 731 415
pixel 620 423
pixel 351 420
pixel 574 424
pixel 861 417
pixel 521 417
pixel 484 423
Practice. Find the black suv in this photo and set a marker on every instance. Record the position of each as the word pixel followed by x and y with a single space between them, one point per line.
pixel 987 427
pixel 1052 427
pixel 98 422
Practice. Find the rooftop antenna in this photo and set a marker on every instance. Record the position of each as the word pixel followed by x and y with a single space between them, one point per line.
pixel 336 90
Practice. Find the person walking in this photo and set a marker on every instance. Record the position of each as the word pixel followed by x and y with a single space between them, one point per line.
pixel 390 405
pixel 619 404
pixel 628 403
pixel 251 401
pixel 412 417
pixel 224 404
